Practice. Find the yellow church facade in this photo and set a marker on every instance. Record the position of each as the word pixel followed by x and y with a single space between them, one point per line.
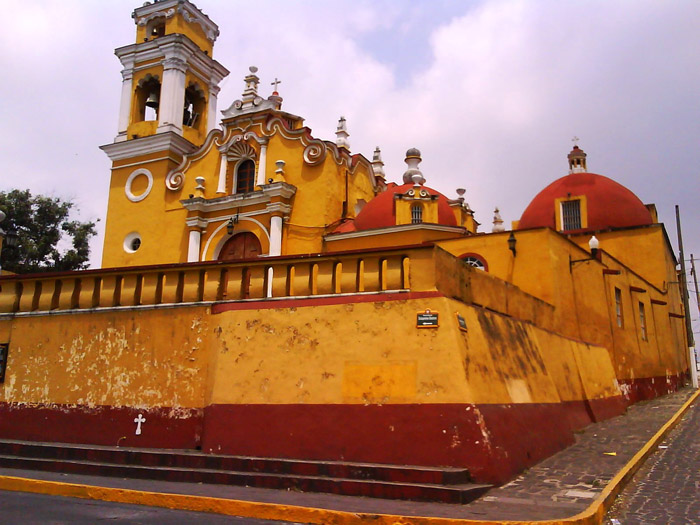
pixel 263 290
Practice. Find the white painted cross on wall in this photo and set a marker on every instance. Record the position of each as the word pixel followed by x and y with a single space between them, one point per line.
pixel 140 419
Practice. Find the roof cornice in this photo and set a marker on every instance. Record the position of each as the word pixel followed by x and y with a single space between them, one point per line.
pixel 394 229
pixel 168 141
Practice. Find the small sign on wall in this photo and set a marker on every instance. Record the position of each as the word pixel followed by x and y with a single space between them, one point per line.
pixel 427 319
pixel 461 322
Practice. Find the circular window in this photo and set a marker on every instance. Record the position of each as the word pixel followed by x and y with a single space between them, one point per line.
pixel 132 242
pixel 475 261
pixel 138 185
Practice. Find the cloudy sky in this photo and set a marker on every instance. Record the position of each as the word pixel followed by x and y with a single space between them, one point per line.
pixel 490 91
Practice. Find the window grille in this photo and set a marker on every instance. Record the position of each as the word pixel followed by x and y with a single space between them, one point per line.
pixel 416 214
pixel 474 262
pixel 642 321
pixel 571 215
pixel 618 307
pixel 245 177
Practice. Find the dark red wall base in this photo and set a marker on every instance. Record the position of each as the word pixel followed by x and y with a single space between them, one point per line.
pixel 102 425
pixel 651 387
pixel 494 442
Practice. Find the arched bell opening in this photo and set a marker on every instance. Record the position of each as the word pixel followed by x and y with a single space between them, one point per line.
pixel 195 103
pixel 155 28
pixel 147 98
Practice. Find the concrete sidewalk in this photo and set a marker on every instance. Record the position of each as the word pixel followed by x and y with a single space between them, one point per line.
pixel 559 487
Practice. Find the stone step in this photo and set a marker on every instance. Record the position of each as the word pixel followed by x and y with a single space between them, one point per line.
pixel 197 460
pixel 448 485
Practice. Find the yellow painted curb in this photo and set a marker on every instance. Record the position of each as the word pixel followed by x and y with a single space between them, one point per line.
pixel 593 515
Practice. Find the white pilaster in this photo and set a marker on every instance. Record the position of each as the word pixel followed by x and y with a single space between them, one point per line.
pixel 275 235
pixel 194 245
pixel 172 95
pixel 211 111
pixel 261 165
pixel 221 188
pixel 270 277
pixel 125 104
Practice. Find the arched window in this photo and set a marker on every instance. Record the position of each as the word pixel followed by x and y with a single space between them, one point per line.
pixel 245 177
pixel 416 214
pixel 475 261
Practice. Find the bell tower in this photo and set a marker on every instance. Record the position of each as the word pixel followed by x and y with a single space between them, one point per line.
pixel 170 80
pixel 170 84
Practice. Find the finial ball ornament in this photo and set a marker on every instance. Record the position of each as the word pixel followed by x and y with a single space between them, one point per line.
pixel 413 152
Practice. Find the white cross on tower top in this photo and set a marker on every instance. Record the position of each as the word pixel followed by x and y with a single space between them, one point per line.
pixel 575 140
pixel 275 83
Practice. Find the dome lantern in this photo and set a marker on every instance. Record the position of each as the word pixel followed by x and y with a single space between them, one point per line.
pixel 577 160
pixel 413 174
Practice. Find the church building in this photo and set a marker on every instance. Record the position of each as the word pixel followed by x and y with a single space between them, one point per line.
pixel 268 293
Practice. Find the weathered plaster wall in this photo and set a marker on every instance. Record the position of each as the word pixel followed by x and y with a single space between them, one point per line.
pixel 89 374
pixel 358 381
pixel 583 296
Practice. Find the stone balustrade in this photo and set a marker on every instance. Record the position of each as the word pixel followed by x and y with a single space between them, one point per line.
pixel 423 268
pixel 261 278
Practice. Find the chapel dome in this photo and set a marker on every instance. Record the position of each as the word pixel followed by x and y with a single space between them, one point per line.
pixel 380 211
pixel 608 204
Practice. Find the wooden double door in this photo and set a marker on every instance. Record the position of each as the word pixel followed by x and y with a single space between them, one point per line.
pixel 244 245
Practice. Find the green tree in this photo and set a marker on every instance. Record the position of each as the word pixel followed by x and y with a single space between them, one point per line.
pixel 48 240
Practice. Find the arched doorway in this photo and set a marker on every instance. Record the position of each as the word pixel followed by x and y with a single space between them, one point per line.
pixel 243 245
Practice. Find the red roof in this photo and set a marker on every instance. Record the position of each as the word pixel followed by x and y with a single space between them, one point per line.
pixel 609 204
pixel 380 211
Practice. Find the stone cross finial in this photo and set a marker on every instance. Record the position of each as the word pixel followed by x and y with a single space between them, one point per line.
pixel 251 85
pixel 377 163
pixel 342 134
pixel 497 221
pixel 138 420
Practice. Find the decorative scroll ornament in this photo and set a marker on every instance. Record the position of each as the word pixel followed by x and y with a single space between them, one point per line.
pixel 167 14
pixel 174 180
pixel 421 194
pixel 315 153
pixel 211 34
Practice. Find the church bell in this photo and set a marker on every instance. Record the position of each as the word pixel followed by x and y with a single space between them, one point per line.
pixel 152 100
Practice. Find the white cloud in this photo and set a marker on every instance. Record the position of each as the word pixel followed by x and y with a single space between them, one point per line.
pixel 490 91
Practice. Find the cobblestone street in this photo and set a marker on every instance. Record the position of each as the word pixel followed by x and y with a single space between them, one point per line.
pixel 568 482
pixel 667 488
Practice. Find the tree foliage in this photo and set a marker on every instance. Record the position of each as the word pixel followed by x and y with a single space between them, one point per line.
pixel 48 240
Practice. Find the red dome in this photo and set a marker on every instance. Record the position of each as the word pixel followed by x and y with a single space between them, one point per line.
pixel 380 212
pixel 609 204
